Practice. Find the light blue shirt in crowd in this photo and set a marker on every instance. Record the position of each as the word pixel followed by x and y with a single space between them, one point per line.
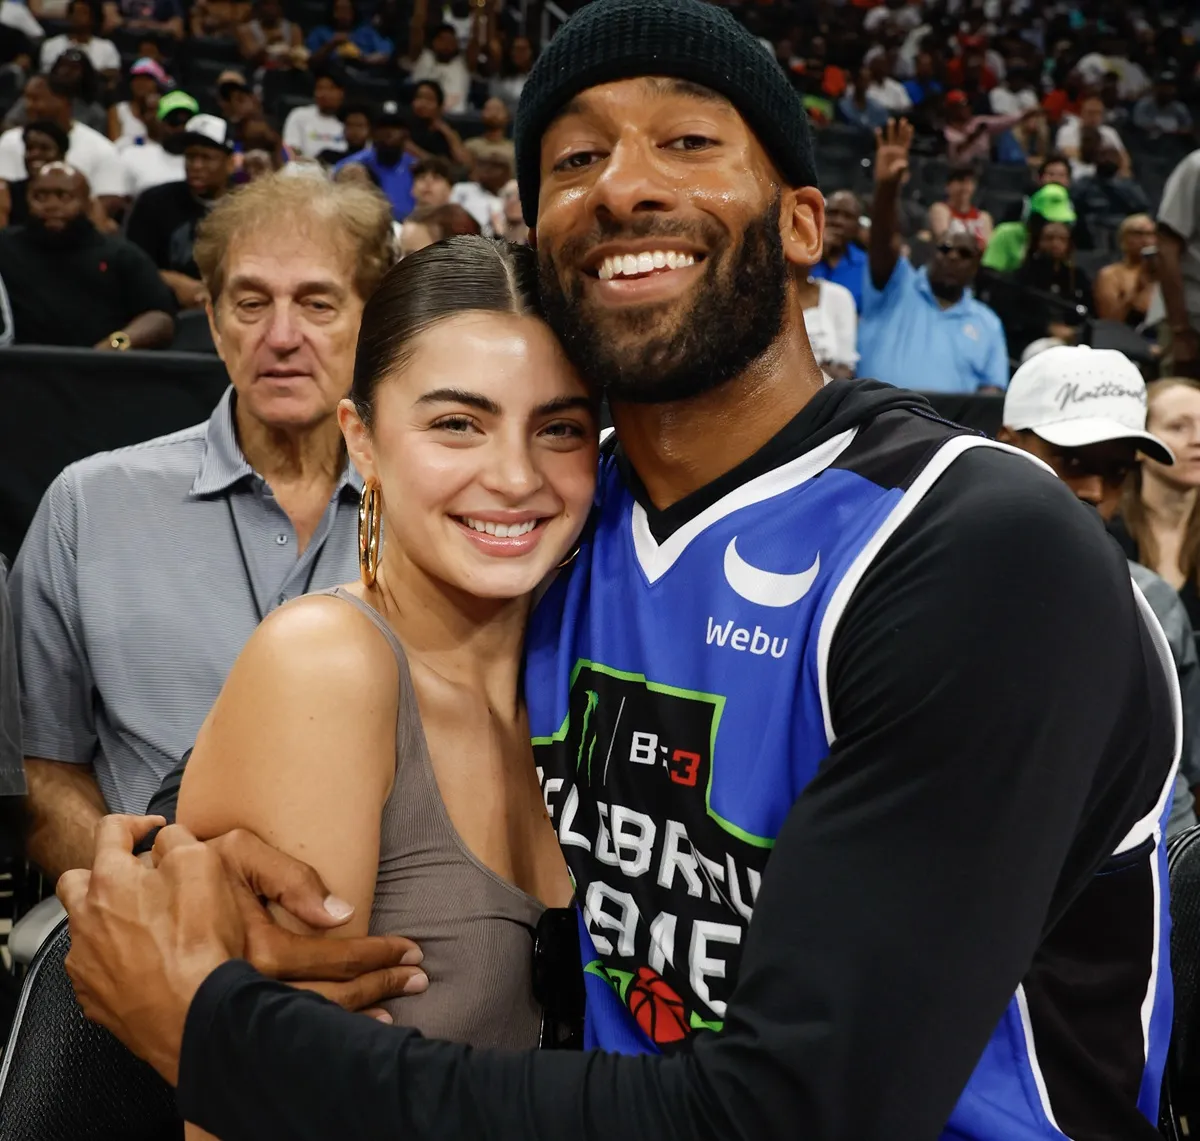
pixel 907 339
pixel 850 271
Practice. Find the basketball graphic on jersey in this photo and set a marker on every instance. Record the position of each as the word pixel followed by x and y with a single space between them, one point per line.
pixel 656 1007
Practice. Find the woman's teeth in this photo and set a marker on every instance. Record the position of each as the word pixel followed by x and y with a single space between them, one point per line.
pixel 635 265
pixel 500 530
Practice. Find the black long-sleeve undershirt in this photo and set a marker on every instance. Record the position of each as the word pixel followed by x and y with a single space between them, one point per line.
pixel 1001 722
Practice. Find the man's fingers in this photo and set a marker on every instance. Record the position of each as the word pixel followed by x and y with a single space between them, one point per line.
pixel 286 881
pixel 170 839
pixel 372 989
pixel 283 954
pixel 72 888
pixel 116 836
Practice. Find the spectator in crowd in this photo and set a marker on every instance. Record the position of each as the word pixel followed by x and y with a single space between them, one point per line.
pixel 443 61
pixel 74 72
pixel 843 260
pixel 269 40
pixel 432 182
pixel 235 98
pixel 256 138
pixel 1054 168
pixel 1124 290
pixel 1061 293
pixel 1178 267
pixel 1107 196
pixel 218 18
pixel 90 153
pixel 481 195
pixel 924 87
pixel 885 90
pixel 1159 524
pixel 45 142
pixel 161 17
pixel 1114 59
pixel 1064 100
pixel 68 284
pixel 1010 240
pixel 254 507
pixel 1091 441
pixel 151 163
pixel 959 207
pixel 127 119
pixel 430 133
pixel 316 129
pixel 1161 113
pixel 356 132
pixel 515 228
pixel 164 220
pixel 81 22
pixel 1069 140
pixel 494 142
pixel 969 136
pixel 429 224
pixel 386 161
pixel 19 17
pixel 515 62
pixel 922 328
pixel 831 321
pixel 348 38
pixel 858 108
pixel 1015 94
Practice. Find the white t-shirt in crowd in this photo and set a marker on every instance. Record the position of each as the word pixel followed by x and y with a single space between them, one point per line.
pixel 1005 102
pixel 832 325
pixel 16 15
pixel 485 208
pixel 133 130
pixel 890 94
pixel 90 153
pixel 453 76
pixel 308 132
pixel 147 164
pixel 102 53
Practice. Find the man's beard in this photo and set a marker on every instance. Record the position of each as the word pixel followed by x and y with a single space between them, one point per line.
pixel 73 234
pixel 947 290
pixel 735 315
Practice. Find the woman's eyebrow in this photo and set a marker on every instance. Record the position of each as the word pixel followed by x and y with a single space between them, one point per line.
pixel 562 404
pixel 460 396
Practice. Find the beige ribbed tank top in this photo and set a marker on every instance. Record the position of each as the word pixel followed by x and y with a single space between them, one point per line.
pixel 474 927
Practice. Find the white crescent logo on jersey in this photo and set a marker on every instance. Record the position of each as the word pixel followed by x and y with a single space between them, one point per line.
pixel 766 588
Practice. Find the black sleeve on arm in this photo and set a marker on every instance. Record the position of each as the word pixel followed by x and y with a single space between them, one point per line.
pixel 165 802
pixel 982 690
pixel 144 287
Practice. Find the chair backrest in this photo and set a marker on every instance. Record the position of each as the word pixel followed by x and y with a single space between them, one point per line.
pixel 65 1077
pixel 1181 1087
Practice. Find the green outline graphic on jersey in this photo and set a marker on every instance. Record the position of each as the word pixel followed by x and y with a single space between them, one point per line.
pixel 713 699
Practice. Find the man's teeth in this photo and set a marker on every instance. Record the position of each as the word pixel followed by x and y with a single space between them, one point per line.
pixel 501 530
pixel 633 265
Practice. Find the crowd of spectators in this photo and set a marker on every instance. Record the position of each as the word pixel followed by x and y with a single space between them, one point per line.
pixel 1043 133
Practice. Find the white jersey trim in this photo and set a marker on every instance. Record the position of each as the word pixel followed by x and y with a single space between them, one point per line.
pixel 1035 1067
pixel 656 560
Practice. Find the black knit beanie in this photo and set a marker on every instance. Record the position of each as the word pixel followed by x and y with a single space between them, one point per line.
pixel 684 39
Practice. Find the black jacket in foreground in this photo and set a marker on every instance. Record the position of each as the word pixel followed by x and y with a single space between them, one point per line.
pixel 996 697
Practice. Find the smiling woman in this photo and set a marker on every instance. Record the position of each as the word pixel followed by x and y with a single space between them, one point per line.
pixel 377 729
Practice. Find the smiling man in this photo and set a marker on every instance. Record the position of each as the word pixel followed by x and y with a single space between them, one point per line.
pixel 857 740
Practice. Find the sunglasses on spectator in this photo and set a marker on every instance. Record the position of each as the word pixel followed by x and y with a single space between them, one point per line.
pixel 558 979
pixel 948 249
pixel 1079 464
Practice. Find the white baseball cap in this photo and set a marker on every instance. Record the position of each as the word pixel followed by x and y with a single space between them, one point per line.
pixel 1073 396
pixel 207 130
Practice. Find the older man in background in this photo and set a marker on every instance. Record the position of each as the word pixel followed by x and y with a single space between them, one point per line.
pixel 146 569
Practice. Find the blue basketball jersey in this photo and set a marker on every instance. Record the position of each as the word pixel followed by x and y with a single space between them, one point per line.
pixel 678 699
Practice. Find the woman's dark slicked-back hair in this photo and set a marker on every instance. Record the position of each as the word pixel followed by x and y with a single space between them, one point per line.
pixel 464 274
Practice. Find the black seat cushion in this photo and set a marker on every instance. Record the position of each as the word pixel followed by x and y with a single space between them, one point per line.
pixel 64 1077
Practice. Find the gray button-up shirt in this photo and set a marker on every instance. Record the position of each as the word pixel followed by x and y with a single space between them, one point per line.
pixel 142 576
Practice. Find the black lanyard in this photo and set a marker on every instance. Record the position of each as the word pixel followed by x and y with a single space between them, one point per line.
pixel 312 568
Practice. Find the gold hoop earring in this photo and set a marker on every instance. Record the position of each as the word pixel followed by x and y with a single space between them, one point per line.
pixel 370 531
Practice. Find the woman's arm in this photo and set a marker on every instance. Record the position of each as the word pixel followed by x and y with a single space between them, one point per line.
pixel 939 220
pixel 1111 304
pixel 300 746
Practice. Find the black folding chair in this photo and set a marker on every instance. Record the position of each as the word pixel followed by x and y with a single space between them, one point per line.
pixel 1181 1082
pixel 64 1078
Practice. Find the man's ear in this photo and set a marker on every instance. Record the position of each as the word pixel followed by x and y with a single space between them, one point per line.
pixel 802 225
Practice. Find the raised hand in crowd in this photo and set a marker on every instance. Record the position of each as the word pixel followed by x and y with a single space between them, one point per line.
pixel 892 144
